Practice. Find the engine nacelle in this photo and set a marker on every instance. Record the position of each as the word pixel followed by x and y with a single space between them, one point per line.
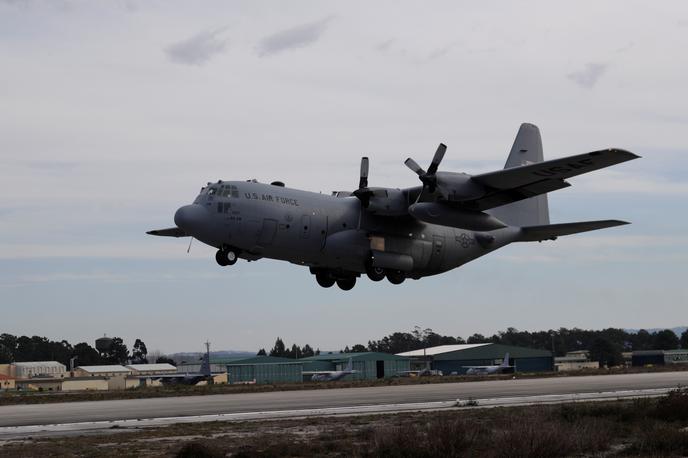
pixel 387 202
pixel 444 215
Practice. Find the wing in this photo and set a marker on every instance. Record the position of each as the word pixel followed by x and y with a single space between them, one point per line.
pixel 171 232
pixel 552 231
pixel 517 183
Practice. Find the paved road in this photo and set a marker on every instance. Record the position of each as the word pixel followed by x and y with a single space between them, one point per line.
pixel 71 412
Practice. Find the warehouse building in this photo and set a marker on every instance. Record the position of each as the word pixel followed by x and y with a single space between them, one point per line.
pixel 659 357
pixel 39 369
pixel 110 370
pixel 152 369
pixel 369 365
pixel 264 369
pixel 453 359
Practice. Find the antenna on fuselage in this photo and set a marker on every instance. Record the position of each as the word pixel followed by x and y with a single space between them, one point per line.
pixel 189 249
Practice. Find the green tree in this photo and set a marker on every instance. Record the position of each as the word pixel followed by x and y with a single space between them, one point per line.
pixel 307 351
pixel 665 340
pixel 86 355
pixel 118 353
pixel 606 352
pixel 279 349
pixel 139 353
pixel 165 359
pixel 358 348
pixel 477 338
pixel 261 352
pixel 5 355
pixel 684 339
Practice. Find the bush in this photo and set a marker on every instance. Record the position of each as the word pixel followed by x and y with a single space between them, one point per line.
pixel 197 450
pixel 673 407
pixel 661 440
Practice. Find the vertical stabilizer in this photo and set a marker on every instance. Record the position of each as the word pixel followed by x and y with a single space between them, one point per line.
pixel 350 365
pixel 505 362
pixel 205 364
pixel 527 149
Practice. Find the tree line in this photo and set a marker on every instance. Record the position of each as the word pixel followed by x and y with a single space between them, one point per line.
pixel 605 346
pixel 36 348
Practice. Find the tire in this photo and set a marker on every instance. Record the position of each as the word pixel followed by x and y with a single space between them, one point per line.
pixel 346 283
pixel 396 277
pixel 375 273
pixel 221 258
pixel 324 280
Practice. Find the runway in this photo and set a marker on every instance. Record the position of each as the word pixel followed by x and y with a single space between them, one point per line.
pixel 100 411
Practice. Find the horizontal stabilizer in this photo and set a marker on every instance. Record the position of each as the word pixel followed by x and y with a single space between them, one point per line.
pixel 556 169
pixel 171 232
pixel 552 231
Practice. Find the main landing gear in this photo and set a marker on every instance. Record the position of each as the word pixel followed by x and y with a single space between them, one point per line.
pixel 327 278
pixel 226 256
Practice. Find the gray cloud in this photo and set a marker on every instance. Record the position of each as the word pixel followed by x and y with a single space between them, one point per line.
pixel 588 77
pixel 198 49
pixel 297 37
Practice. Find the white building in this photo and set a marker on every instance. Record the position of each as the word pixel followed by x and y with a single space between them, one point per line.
pixel 40 369
pixel 152 369
pixel 110 370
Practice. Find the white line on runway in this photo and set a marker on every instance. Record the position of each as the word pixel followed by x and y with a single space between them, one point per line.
pixel 63 429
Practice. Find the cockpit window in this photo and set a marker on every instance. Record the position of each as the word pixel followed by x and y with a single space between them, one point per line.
pixel 212 191
pixel 230 191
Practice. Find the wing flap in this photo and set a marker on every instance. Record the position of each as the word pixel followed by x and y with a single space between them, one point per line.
pixel 552 231
pixel 170 232
pixel 556 169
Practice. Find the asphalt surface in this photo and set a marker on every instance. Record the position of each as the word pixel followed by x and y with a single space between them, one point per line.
pixel 72 412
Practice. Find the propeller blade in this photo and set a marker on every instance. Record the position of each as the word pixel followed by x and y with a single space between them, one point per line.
pixel 413 165
pixel 363 182
pixel 439 155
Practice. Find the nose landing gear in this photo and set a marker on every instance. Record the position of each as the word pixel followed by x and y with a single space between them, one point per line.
pixel 226 256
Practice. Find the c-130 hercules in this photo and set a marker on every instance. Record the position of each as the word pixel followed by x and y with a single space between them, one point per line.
pixel 451 219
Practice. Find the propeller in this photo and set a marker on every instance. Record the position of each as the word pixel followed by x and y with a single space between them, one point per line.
pixel 363 193
pixel 428 178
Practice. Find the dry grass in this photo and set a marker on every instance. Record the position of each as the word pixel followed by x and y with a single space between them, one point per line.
pixel 645 427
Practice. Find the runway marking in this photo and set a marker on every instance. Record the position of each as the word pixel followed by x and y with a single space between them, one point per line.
pixel 103 427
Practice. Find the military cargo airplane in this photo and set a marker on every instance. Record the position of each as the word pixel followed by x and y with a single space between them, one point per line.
pixel 332 376
pixel 503 368
pixel 447 221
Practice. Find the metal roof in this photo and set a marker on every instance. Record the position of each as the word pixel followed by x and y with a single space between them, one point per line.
pixel 367 355
pixel 107 368
pixel 39 364
pixel 261 360
pixel 431 351
pixel 483 351
pixel 152 367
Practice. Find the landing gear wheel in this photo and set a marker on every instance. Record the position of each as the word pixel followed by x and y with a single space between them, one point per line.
pixel 324 279
pixel 396 277
pixel 346 283
pixel 221 259
pixel 226 257
pixel 375 273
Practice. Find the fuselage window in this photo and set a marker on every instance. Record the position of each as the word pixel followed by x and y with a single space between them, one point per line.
pixel 234 191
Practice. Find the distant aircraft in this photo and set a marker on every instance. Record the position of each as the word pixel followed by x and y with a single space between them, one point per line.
pixel 331 376
pixel 447 221
pixel 188 378
pixel 503 368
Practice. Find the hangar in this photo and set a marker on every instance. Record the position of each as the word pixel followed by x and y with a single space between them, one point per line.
pixel 452 359
pixel 370 365
pixel 264 369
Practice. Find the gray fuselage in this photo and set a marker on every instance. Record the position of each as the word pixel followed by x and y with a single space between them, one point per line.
pixel 327 231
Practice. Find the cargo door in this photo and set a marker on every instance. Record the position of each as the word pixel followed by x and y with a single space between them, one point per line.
pixel 267 232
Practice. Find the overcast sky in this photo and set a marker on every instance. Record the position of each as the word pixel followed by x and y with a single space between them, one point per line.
pixel 114 113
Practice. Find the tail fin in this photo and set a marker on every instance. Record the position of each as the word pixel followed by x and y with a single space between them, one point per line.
pixel 527 149
pixel 350 365
pixel 205 365
pixel 552 231
pixel 505 362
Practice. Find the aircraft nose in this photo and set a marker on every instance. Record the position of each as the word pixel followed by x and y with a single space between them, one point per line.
pixel 189 217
